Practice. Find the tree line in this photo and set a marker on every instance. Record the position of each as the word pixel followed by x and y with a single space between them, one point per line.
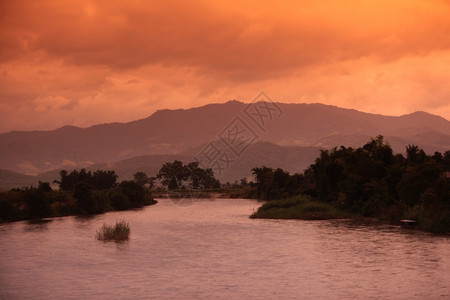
pixel 86 192
pixel 176 175
pixel 79 192
pixel 371 181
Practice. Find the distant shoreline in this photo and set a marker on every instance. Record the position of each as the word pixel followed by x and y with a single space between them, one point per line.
pixel 304 208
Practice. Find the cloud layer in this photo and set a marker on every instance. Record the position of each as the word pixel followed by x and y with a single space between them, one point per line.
pixel 88 62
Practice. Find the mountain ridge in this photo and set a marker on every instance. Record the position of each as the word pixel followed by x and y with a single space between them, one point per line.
pixel 419 112
pixel 176 131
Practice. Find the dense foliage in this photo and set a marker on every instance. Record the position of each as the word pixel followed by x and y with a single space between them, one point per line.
pixel 99 180
pixel 176 175
pixel 86 192
pixel 372 181
pixel 276 184
pixel 80 192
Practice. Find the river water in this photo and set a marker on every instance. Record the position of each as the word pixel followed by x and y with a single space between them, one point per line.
pixel 212 250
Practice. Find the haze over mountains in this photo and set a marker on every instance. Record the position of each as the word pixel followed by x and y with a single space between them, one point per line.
pixel 182 134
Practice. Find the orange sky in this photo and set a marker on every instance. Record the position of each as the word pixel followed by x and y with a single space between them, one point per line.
pixel 88 62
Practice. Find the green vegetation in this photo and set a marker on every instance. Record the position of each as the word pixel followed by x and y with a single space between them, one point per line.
pixel 119 232
pixel 176 175
pixel 79 192
pixel 299 207
pixel 86 192
pixel 370 181
pixel 99 180
pixel 275 184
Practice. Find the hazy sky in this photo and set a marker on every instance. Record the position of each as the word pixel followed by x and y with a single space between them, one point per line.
pixel 87 62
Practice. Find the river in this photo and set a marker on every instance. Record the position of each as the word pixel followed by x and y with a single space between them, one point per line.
pixel 212 250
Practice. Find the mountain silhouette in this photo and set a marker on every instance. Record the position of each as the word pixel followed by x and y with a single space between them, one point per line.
pixel 302 128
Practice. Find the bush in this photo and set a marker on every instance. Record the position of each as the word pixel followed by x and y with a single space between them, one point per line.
pixel 83 195
pixel 118 200
pixel 37 204
pixel 8 211
pixel 119 232
pixel 134 192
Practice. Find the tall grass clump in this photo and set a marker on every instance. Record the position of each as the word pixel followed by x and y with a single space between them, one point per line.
pixel 119 232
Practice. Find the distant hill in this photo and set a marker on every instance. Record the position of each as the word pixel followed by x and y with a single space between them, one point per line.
pixel 9 180
pixel 174 132
pixel 290 158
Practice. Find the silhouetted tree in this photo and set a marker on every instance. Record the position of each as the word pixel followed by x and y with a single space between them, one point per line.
pixel 135 193
pixel 44 186
pixel 414 155
pixel 37 203
pixel 102 180
pixel 82 193
pixel 99 180
pixel 141 178
pixel 172 174
pixel 175 174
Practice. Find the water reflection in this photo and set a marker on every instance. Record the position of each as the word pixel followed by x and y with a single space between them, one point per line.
pixel 119 245
pixel 85 218
pixel 85 222
pixel 212 250
pixel 37 225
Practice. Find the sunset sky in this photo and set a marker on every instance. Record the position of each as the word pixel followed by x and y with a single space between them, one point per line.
pixel 88 62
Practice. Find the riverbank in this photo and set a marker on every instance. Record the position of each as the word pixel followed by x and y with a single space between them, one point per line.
pixel 305 208
pixel 299 207
pixel 227 193
pixel 36 204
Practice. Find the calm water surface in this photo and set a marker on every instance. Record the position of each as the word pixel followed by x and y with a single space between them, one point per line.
pixel 212 250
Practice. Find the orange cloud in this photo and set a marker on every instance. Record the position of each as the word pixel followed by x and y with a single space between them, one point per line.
pixel 85 62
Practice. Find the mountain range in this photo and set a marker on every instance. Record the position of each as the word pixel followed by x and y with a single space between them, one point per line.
pixel 277 135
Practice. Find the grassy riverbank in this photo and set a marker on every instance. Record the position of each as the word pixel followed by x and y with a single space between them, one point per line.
pixel 299 207
pixel 305 208
pixel 370 181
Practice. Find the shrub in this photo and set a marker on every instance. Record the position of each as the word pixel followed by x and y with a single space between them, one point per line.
pixel 134 192
pixel 118 200
pixel 83 195
pixel 37 204
pixel 119 232
pixel 8 211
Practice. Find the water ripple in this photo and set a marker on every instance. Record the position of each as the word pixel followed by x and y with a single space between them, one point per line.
pixel 214 251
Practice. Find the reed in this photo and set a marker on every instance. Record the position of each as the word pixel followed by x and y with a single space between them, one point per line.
pixel 118 232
